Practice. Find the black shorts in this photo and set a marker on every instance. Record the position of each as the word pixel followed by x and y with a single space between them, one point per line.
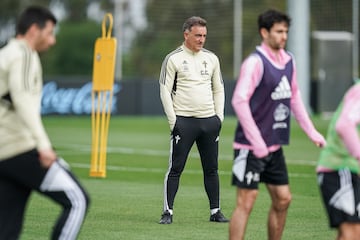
pixel 249 170
pixel 341 196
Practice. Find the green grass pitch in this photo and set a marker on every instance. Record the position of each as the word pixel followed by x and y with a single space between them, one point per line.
pixel 127 204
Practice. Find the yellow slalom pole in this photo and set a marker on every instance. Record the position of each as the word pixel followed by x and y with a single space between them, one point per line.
pixel 101 96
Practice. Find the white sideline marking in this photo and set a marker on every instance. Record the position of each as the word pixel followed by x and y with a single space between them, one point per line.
pixel 72 149
pixel 159 170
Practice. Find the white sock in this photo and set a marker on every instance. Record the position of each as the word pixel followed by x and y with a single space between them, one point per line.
pixel 170 211
pixel 214 210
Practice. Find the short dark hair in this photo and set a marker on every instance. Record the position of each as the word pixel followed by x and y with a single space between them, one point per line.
pixel 193 21
pixel 33 15
pixel 268 18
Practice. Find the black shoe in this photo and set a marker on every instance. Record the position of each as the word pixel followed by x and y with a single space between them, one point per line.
pixel 218 217
pixel 166 218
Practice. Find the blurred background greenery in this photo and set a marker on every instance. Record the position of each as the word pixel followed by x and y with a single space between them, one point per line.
pixel 152 28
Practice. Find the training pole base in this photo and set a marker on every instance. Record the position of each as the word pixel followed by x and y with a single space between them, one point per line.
pixel 97 174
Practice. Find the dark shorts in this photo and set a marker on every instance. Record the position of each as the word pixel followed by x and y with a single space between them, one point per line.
pixel 341 196
pixel 20 175
pixel 249 170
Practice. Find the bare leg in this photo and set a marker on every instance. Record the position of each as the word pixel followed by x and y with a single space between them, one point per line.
pixel 349 231
pixel 244 203
pixel 281 198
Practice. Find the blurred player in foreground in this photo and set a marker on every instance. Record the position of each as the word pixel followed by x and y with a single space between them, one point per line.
pixel 27 159
pixel 338 168
pixel 265 95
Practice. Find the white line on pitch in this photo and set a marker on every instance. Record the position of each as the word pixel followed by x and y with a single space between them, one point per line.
pixel 73 148
pixel 159 170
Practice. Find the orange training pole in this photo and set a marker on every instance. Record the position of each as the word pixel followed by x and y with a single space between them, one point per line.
pixel 101 95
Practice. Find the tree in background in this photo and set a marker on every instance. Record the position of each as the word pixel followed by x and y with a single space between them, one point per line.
pixel 164 32
pixel 73 54
pixel 9 9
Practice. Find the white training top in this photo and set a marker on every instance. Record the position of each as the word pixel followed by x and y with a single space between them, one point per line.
pixel 21 128
pixel 191 85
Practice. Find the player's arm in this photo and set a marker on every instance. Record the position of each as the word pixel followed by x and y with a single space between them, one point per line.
pixel 348 121
pixel 250 76
pixel 218 91
pixel 301 115
pixel 166 81
pixel 26 103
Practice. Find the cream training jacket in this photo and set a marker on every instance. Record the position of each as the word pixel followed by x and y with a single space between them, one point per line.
pixel 21 128
pixel 191 85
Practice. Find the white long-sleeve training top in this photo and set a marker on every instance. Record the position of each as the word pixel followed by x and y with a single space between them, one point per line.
pixel 21 128
pixel 191 85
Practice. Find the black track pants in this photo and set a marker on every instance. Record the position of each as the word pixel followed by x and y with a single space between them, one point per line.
pixel 205 133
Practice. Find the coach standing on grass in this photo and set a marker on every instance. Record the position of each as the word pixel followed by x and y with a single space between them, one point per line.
pixel 265 95
pixel 192 94
pixel 27 159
